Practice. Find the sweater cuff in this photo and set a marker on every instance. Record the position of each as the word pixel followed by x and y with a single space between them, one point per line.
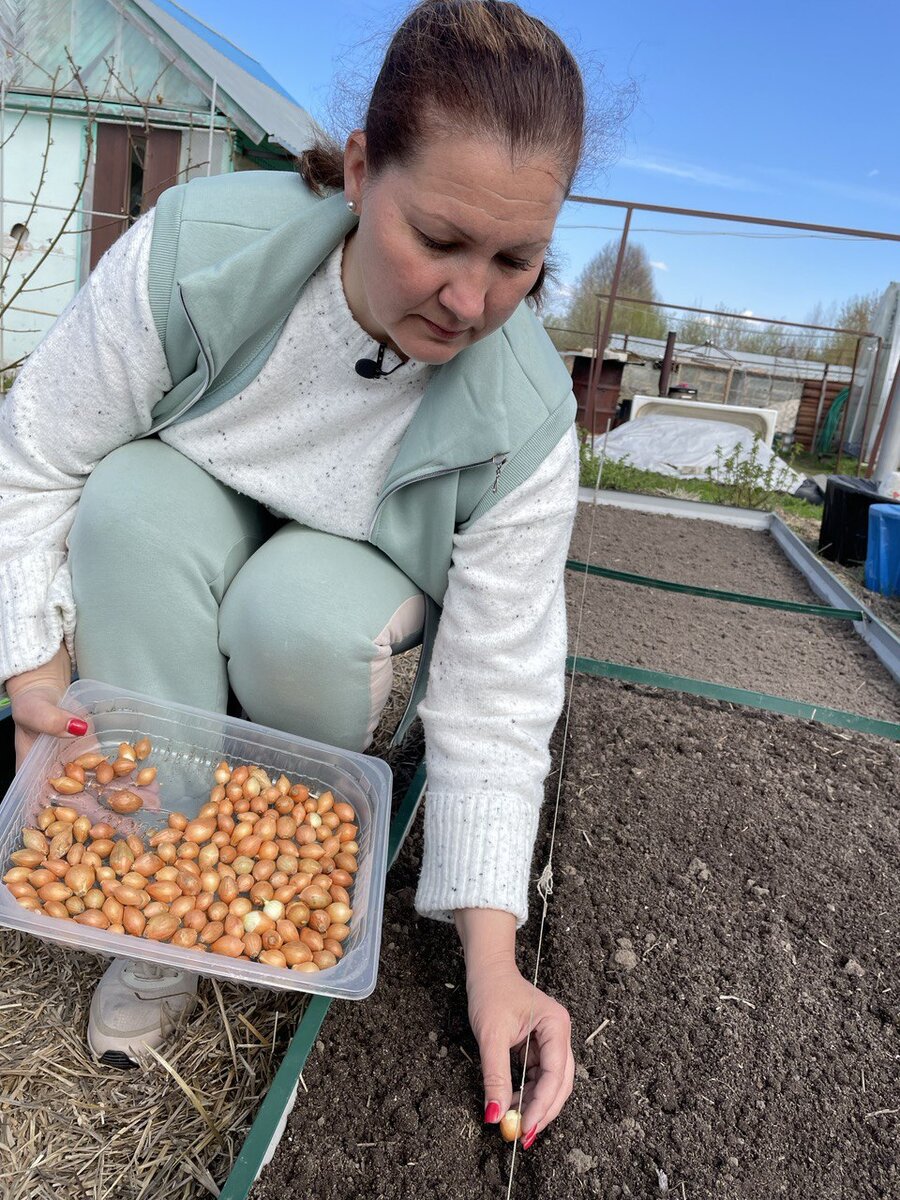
pixel 478 849
pixel 37 612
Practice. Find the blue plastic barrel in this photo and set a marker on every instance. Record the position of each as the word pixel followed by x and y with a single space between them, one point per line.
pixel 883 556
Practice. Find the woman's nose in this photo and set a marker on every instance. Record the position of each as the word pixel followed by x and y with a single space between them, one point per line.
pixel 464 295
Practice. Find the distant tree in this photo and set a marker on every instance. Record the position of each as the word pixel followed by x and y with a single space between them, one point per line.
pixel 856 312
pixel 730 331
pixel 573 327
pixel 727 330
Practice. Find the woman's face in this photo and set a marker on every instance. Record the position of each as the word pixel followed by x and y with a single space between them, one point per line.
pixel 448 245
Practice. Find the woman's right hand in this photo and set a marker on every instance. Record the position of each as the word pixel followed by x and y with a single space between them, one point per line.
pixel 35 697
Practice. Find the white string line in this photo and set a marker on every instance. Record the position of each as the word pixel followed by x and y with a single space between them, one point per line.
pixel 545 883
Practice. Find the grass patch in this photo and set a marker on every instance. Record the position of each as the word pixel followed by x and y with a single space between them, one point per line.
pixel 622 476
pixel 824 464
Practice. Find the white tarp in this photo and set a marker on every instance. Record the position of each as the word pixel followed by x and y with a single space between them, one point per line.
pixel 686 446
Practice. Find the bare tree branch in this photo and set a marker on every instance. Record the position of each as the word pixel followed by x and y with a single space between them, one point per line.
pixel 65 78
pixel 15 127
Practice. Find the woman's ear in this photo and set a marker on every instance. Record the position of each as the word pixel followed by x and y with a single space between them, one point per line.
pixel 355 167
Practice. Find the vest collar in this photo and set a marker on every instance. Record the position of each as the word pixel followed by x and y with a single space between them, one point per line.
pixel 246 297
pixel 235 302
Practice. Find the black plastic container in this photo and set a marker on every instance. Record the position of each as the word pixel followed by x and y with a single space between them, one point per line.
pixel 844 534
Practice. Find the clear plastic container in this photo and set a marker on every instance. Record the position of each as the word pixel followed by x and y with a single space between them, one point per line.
pixel 187 745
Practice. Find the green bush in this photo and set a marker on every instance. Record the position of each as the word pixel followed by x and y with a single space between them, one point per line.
pixel 745 481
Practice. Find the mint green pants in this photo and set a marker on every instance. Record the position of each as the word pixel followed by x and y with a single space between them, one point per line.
pixel 184 588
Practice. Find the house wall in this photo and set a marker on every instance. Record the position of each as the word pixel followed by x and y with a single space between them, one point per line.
pixel 195 153
pixel 59 275
pixel 67 267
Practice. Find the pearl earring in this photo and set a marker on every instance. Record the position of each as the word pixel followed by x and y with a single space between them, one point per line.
pixel 351 204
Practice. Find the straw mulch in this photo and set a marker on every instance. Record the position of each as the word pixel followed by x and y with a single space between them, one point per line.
pixel 71 1129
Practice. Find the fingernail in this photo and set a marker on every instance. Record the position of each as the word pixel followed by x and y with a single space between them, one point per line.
pixel 77 727
pixel 492 1113
pixel 530 1138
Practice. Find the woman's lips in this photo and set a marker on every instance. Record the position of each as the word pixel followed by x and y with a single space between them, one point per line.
pixel 448 335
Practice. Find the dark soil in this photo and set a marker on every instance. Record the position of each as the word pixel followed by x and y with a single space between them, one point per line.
pixel 687 550
pixel 816 659
pixel 726 893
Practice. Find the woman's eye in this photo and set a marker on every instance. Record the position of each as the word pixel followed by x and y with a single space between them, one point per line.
pixel 433 245
pixel 513 264
pixel 518 264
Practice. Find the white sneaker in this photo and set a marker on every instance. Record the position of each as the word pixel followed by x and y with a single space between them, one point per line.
pixel 135 1005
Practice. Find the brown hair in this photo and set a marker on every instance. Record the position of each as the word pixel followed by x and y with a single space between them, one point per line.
pixel 484 66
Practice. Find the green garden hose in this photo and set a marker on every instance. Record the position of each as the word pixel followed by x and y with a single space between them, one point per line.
pixel 830 426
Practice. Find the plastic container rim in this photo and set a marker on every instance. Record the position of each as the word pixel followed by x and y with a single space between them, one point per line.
pixel 79 699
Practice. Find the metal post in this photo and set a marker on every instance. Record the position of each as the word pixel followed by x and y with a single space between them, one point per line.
pixel 591 406
pixel 850 397
pixel 603 337
pixel 840 448
pixel 666 369
pixel 846 411
pixel 882 428
pixel 822 391
pixel 212 125
pixel 876 362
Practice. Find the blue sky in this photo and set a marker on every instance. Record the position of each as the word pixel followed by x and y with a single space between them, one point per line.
pixel 786 110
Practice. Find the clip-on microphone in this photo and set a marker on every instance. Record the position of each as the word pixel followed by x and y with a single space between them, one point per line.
pixel 371 368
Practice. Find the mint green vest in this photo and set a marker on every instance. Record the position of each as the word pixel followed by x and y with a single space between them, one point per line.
pixel 230 255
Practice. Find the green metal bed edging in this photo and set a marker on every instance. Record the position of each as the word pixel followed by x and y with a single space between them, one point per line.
pixel 253 1153
pixel 666 585
pixel 719 691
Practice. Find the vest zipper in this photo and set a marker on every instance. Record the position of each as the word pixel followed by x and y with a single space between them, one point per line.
pixel 204 387
pixel 498 461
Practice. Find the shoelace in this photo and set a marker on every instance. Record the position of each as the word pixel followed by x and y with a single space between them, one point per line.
pixel 152 972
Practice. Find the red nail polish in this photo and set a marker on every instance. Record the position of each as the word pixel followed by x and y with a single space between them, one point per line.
pixel 77 727
pixel 492 1113
pixel 530 1138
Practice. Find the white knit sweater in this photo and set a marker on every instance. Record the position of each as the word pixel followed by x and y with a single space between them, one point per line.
pixel 313 442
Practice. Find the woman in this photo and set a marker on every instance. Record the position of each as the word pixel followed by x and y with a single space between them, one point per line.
pixel 298 518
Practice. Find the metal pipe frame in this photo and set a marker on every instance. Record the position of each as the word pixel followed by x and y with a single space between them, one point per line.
pixel 888 407
pixel 837 465
pixel 717 312
pixel 740 219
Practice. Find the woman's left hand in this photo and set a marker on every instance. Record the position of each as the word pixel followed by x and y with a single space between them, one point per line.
pixel 503 1006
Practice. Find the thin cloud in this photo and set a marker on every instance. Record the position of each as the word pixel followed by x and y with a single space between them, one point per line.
pixel 859 193
pixel 691 171
pixel 659 266
pixel 874 172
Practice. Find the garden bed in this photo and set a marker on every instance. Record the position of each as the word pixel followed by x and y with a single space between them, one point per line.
pixel 815 659
pixel 724 906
